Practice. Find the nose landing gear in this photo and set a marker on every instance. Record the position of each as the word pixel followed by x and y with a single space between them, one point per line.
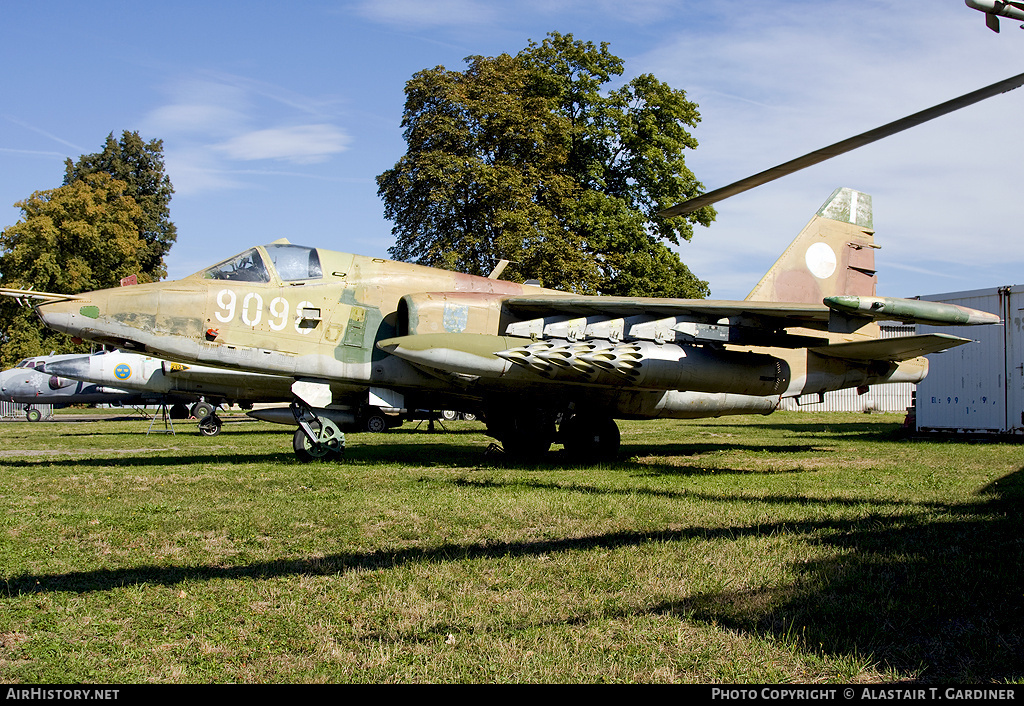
pixel 317 437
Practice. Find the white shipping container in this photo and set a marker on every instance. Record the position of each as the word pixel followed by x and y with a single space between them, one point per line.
pixel 977 387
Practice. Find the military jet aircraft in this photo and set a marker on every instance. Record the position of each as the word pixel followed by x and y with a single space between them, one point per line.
pixel 993 9
pixel 540 365
pixel 30 384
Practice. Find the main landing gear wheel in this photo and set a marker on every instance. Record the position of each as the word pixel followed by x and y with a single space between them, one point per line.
pixel 329 441
pixel 33 415
pixel 376 423
pixel 525 434
pixel 590 439
pixel 210 425
pixel 202 410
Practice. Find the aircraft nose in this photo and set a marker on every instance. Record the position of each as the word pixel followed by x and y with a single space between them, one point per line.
pixel 63 316
pixel 73 368
pixel 13 384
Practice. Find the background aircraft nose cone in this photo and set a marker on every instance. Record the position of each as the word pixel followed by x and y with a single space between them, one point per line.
pixel 71 368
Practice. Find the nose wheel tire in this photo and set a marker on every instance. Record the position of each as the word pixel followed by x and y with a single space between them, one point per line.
pixel 33 415
pixel 210 425
pixel 330 441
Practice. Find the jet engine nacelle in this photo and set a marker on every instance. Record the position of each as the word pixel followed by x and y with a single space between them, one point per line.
pixel 449 312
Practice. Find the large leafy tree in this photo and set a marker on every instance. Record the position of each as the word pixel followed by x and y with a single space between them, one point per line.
pixel 140 166
pixel 527 158
pixel 78 237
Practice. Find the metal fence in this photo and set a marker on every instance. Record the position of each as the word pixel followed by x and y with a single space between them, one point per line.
pixel 16 410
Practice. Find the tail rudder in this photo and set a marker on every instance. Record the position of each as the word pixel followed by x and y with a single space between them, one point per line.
pixel 834 254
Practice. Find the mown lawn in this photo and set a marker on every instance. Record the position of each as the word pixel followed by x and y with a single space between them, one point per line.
pixel 791 548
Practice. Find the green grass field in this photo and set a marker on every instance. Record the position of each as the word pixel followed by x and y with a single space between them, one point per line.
pixel 791 548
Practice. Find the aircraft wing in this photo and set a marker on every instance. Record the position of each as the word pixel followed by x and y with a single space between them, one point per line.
pixel 778 315
pixel 894 349
pixel 842 314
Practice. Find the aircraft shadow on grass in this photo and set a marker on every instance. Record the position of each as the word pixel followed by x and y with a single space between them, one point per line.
pixel 952 612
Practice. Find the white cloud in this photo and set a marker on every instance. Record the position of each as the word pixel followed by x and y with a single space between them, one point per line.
pixel 302 144
pixel 429 13
pixel 213 122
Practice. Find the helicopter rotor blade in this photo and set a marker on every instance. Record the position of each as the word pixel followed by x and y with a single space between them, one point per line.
pixel 842 147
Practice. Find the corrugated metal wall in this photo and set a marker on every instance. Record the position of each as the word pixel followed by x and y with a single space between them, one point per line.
pixel 977 387
pixel 879 398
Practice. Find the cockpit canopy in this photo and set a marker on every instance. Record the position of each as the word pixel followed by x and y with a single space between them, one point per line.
pixel 290 262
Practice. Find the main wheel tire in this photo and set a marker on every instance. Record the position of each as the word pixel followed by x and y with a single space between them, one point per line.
pixel 202 410
pixel 376 423
pixel 449 415
pixel 33 415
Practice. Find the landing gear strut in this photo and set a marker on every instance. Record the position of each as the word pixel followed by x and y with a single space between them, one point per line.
pixel 317 437
pixel 206 413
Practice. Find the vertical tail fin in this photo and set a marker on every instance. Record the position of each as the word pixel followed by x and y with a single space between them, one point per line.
pixel 833 254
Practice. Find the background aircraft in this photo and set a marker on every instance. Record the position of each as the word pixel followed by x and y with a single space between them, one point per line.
pixel 993 9
pixel 208 388
pixel 30 384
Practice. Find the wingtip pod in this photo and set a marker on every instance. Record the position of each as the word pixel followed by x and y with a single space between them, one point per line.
pixel 909 310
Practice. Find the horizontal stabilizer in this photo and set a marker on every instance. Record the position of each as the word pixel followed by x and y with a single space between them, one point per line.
pixel 894 349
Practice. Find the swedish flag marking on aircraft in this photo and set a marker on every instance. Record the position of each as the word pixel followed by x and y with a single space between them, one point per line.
pixel 123 371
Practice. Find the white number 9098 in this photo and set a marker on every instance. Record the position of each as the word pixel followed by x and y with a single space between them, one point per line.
pixel 251 311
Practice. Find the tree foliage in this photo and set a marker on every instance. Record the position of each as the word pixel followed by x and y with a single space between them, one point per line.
pixel 527 158
pixel 140 166
pixel 109 220
pixel 78 237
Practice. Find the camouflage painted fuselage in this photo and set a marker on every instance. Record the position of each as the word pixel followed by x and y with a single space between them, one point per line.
pixel 402 335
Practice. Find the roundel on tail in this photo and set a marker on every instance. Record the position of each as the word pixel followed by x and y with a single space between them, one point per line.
pixel 821 260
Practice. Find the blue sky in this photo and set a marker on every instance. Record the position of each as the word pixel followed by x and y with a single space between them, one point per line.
pixel 277 117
